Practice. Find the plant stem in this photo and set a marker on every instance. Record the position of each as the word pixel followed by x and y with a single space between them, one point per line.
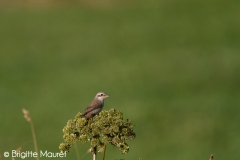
pixel 34 139
pixel 104 149
pixel 95 153
pixel 76 149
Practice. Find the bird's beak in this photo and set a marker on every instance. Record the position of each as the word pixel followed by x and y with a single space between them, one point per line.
pixel 106 96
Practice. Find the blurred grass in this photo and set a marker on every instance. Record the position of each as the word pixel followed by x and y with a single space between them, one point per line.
pixel 173 67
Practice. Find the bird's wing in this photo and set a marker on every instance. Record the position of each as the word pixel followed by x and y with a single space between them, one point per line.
pixel 94 105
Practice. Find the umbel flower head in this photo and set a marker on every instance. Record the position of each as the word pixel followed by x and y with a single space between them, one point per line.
pixel 108 127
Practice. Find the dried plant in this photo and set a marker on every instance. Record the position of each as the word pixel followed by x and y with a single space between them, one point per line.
pixel 28 118
pixel 211 157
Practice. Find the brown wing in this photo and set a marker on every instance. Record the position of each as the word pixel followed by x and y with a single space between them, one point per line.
pixel 95 104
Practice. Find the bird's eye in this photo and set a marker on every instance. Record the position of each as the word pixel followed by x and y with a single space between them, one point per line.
pixel 101 94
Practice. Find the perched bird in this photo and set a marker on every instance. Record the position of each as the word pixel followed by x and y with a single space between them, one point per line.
pixel 96 105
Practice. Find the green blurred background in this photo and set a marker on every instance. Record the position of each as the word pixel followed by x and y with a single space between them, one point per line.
pixel 172 67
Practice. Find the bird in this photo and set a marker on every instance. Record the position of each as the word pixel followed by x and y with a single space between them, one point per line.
pixel 96 105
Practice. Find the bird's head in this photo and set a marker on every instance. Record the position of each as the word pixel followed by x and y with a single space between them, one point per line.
pixel 101 96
